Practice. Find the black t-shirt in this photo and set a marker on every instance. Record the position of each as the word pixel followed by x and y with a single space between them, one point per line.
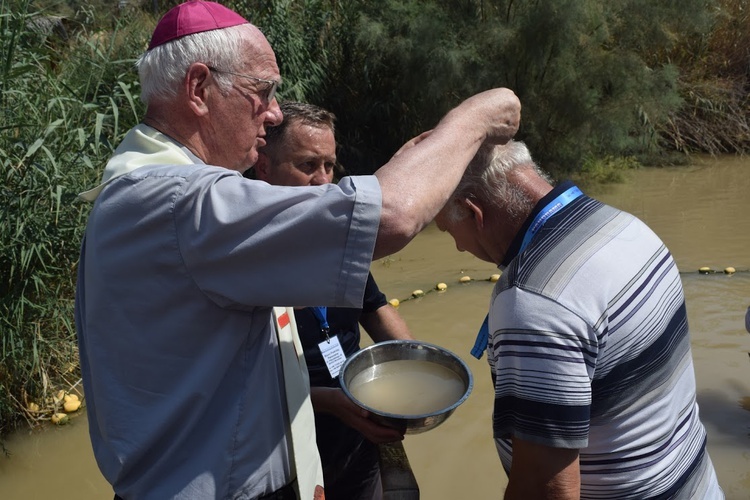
pixel 344 452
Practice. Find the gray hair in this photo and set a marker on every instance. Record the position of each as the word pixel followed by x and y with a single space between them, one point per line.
pixel 486 179
pixel 162 69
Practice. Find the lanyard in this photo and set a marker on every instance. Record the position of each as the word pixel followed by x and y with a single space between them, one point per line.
pixel 551 209
pixel 320 313
pixel 570 194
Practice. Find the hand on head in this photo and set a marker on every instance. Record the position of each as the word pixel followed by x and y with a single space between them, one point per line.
pixel 501 110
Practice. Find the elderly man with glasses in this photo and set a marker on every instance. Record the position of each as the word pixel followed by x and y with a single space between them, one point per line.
pixel 194 383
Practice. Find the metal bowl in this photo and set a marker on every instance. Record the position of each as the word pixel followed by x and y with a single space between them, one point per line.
pixel 393 350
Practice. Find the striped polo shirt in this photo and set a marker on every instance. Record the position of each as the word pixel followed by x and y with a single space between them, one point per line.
pixel 589 349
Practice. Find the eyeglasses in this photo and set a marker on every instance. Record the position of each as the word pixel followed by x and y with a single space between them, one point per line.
pixel 268 93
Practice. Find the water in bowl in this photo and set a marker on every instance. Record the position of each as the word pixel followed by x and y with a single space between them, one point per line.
pixel 407 387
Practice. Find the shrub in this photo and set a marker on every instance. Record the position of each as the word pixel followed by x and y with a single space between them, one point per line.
pixel 65 102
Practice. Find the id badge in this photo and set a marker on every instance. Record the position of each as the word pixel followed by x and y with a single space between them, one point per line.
pixel 333 355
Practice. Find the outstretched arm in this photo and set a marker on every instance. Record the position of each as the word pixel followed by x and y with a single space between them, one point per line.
pixel 417 182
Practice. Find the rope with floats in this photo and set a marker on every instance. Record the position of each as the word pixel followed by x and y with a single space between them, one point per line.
pixel 442 287
pixel 727 270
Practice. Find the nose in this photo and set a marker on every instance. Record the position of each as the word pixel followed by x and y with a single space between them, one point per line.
pixel 320 176
pixel 273 115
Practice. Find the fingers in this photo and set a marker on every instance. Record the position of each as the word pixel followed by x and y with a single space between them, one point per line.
pixel 379 434
pixel 359 419
pixel 499 112
pixel 507 117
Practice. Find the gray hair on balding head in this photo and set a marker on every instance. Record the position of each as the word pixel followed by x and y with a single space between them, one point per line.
pixel 162 69
pixel 486 179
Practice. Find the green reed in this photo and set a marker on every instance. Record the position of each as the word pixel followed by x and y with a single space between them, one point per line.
pixel 65 99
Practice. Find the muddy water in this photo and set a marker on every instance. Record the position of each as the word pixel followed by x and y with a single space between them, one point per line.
pixel 703 215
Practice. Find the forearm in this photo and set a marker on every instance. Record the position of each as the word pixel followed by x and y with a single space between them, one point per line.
pixel 385 323
pixel 560 489
pixel 416 183
pixel 541 472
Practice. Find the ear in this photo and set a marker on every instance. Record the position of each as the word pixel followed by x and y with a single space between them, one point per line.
pixel 197 87
pixel 262 167
pixel 476 211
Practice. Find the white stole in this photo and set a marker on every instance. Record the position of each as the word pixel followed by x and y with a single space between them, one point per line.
pixel 306 461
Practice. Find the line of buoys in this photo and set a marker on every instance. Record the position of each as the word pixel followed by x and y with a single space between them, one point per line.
pixel 465 279
pixel 439 288
pixel 727 270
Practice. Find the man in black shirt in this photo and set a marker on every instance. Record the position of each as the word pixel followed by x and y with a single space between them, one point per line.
pixel 302 152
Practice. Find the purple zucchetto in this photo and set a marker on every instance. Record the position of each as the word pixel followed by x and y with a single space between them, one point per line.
pixel 193 16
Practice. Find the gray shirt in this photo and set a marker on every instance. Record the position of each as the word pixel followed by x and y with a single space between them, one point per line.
pixel 179 269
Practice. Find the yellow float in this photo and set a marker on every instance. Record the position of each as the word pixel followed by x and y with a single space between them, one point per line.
pixel 71 405
pixel 394 302
pixel 417 293
pixel 59 418
pixel 59 397
pixel 465 279
pixel 441 287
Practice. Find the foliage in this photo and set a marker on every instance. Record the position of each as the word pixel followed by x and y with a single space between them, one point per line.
pixel 65 101
pixel 401 66
pixel 295 30
pixel 583 69
pixel 714 82
pixel 607 170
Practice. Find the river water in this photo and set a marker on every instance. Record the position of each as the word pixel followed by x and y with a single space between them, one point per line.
pixel 702 213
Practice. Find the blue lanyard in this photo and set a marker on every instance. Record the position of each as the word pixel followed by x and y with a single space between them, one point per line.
pixel 320 312
pixel 483 338
pixel 551 209
pixel 554 206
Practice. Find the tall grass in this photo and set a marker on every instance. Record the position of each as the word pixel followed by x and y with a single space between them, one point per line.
pixel 65 101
